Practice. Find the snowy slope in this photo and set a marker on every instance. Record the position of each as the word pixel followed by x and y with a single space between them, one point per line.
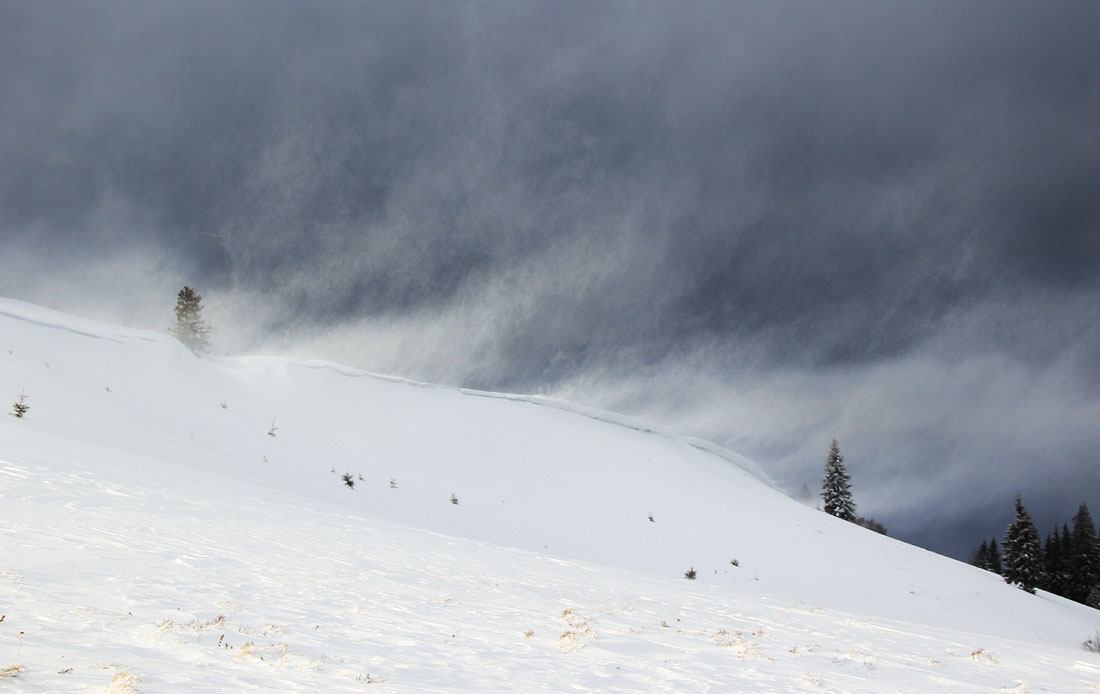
pixel 137 510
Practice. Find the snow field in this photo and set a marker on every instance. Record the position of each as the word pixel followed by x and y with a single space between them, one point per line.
pixel 189 586
pixel 155 537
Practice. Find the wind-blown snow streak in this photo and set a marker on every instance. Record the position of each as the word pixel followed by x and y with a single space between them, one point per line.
pixel 176 524
pixel 635 423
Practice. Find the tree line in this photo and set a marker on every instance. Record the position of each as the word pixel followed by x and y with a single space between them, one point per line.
pixel 1067 563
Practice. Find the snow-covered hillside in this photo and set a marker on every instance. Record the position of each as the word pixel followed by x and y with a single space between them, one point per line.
pixel 177 524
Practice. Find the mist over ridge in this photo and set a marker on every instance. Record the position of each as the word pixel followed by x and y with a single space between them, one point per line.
pixel 766 225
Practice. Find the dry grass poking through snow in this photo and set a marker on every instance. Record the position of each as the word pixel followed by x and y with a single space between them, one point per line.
pixel 124 683
pixel 579 634
pixel 11 671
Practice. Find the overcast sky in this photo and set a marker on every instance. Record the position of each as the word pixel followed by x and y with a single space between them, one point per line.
pixel 769 224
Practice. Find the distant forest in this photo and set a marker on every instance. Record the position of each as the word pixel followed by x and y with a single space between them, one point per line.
pixel 1067 563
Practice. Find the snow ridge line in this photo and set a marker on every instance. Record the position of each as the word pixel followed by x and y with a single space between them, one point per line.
pixel 563 405
pixel 49 318
pixel 630 423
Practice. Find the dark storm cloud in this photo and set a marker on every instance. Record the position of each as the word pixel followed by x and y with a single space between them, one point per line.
pixel 782 200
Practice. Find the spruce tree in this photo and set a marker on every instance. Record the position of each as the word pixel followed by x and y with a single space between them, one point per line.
pixel 987 556
pixel 190 327
pixel 804 494
pixel 836 490
pixel 1023 553
pixel 1067 550
pixel 1065 553
pixel 1052 563
pixel 980 557
pixel 994 557
pixel 1084 561
pixel 1093 599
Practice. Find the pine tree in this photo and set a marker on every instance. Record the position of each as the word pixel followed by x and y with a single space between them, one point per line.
pixel 980 557
pixel 870 524
pixel 987 556
pixel 1093 599
pixel 1067 550
pixel 1084 560
pixel 1065 553
pixel 836 491
pixel 1062 548
pixel 190 327
pixel 1052 563
pixel 804 494
pixel 1023 553
pixel 995 557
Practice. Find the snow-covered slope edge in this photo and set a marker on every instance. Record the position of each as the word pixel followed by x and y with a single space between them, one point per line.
pixel 124 422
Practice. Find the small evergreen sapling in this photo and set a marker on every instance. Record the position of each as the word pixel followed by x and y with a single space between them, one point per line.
pixel 20 407
pixel 348 480
pixel 690 574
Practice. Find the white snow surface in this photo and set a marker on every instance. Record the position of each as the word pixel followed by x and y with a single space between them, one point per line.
pixel 156 537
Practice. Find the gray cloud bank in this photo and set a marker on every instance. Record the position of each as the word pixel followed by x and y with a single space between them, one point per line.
pixel 766 223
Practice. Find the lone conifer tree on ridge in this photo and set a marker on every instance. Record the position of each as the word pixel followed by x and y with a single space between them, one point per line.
pixel 836 490
pixel 190 327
